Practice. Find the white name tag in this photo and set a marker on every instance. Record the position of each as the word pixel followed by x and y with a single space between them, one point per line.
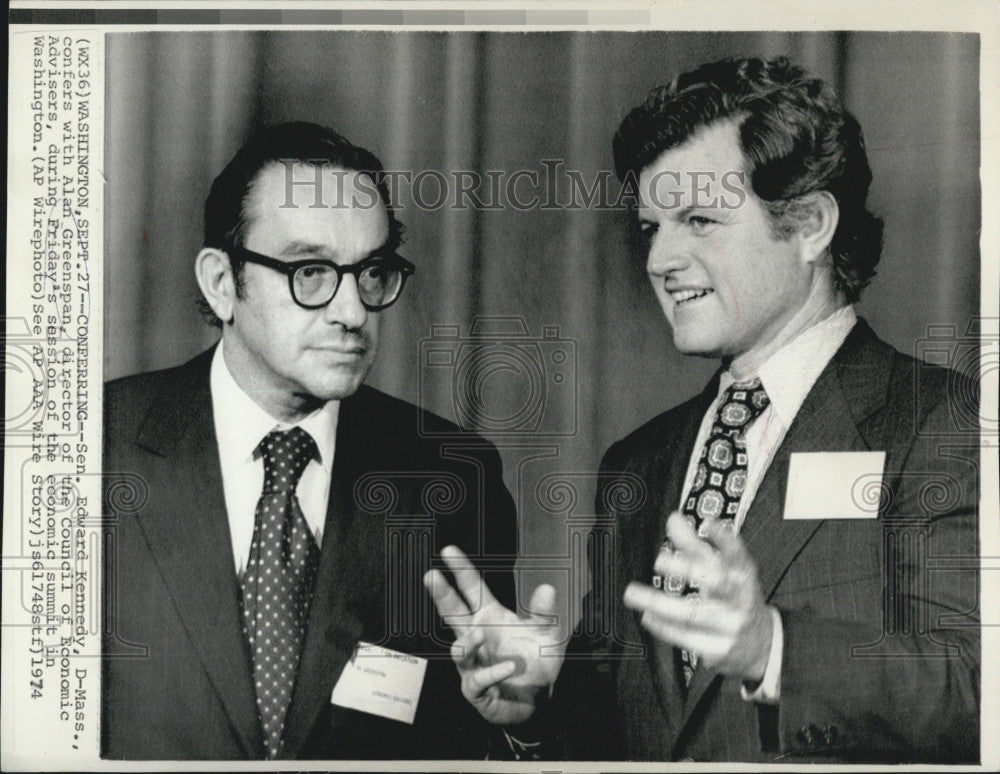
pixel 834 485
pixel 381 682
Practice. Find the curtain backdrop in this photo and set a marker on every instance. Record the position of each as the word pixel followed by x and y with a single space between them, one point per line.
pixel 180 104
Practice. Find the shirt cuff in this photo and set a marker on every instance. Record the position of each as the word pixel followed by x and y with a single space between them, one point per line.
pixel 768 691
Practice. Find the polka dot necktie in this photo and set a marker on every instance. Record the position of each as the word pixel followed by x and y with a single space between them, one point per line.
pixel 719 480
pixel 279 580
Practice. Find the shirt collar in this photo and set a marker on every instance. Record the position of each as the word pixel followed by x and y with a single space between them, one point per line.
pixel 240 423
pixel 790 373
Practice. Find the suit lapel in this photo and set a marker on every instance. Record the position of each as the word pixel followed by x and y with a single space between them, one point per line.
pixel 188 535
pixel 667 472
pixel 848 391
pixel 349 545
pixel 822 424
pixel 667 475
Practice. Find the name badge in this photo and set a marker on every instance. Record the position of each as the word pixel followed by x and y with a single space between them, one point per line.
pixel 834 485
pixel 382 682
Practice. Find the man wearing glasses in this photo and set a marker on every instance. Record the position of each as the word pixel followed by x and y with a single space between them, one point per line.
pixel 263 595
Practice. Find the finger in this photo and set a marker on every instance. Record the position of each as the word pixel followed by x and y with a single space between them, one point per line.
pixel 542 609
pixel 543 600
pixel 737 569
pixel 681 533
pixel 708 645
pixel 489 696
pixel 477 682
pixel 673 563
pixel 673 609
pixel 683 613
pixel 672 626
pixel 680 569
pixel 465 649
pixel 721 533
pixel 673 583
pixel 469 581
pixel 640 597
pixel 666 548
pixel 449 604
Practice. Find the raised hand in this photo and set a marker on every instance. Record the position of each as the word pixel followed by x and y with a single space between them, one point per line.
pixel 727 623
pixel 506 662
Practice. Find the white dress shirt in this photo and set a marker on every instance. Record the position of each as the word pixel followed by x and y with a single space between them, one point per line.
pixel 240 425
pixel 787 376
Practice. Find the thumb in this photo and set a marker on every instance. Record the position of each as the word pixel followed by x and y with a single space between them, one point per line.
pixel 543 600
pixel 543 604
pixel 548 625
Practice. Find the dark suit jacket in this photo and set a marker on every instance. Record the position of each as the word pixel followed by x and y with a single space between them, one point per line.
pixel 177 678
pixel 881 637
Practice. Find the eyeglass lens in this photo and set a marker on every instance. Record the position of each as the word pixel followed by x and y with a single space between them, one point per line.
pixel 378 284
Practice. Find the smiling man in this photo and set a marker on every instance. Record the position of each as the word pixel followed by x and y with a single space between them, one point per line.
pixel 769 594
pixel 730 286
pixel 262 593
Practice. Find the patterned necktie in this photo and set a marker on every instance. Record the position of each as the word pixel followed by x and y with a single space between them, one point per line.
pixel 279 580
pixel 719 480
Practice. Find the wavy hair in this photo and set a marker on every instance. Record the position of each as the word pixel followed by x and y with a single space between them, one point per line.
pixel 796 137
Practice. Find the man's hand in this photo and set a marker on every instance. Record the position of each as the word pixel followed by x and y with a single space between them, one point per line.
pixel 506 662
pixel 727 623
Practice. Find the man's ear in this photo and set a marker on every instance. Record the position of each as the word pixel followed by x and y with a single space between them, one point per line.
pixel 816 230
pixel 218 285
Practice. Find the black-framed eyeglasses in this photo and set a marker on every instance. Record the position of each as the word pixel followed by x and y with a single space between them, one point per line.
pixel 314 282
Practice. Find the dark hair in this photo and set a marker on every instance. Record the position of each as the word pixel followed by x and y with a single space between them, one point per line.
pixel 796 137
pixel 226 216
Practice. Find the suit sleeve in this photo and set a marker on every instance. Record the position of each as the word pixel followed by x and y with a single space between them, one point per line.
pixel 581 717
pixel 907 689
pixel 486 530
pixel 500 531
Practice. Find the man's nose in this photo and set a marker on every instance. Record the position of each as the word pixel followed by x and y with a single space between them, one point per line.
pixel 668 252
pixel 346 307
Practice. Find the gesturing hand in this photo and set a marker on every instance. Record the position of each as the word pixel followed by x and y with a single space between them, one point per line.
pixel 727 623
pixel 505 661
